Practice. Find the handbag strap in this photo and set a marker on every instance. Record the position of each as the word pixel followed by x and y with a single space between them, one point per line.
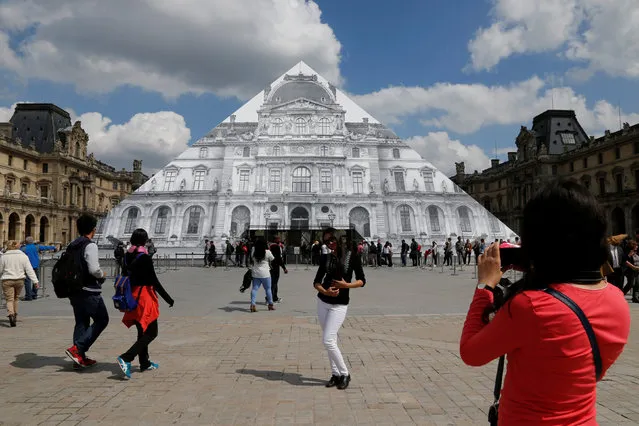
pixel 585 323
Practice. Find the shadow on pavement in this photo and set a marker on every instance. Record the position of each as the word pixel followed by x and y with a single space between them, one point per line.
pixel 294 379
pixel 35 361
pixel 232 309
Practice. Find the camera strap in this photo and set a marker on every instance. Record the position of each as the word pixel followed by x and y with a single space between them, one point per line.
pixel 587 327
pixel 585 323
pixel 499 378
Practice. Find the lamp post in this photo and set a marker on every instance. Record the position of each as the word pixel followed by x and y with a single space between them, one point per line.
pixel 267 216
pixel 331 217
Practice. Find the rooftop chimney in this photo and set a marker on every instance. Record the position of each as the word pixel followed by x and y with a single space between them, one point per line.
pixel 494 162
pixel 232 118
pixel 512 156
pixel 365 120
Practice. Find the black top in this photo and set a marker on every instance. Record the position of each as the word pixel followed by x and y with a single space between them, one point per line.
pixel 278 260
pixel 330 270
pixel 142 273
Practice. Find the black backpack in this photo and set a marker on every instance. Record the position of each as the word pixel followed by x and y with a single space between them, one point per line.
pixel 68 272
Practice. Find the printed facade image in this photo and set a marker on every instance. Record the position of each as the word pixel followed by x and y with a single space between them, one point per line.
pixel 301 155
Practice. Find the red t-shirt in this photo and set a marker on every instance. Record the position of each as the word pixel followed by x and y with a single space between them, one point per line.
pixel 550 377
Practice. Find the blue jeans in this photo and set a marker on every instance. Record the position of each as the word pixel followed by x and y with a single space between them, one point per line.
pixel 266 282
pixel 30 292
pixel 87 307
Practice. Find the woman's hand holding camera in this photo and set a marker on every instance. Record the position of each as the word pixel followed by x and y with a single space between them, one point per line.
pixel 489 267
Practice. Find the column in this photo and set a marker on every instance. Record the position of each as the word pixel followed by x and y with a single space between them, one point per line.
pixel 286 218
pixel 373 219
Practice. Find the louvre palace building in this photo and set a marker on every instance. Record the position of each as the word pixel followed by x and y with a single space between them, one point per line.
pixel 301 155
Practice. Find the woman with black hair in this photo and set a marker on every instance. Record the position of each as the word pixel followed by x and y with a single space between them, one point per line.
pixel 261 270
pixel 145 287
pixel 333 281
pixel 554 361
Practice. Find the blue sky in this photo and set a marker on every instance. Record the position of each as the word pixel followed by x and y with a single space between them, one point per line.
pixel 453 78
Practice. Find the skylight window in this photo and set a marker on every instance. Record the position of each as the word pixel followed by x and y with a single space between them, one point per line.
pixel 568 139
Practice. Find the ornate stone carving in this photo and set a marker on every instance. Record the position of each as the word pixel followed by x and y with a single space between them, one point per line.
pixel 183 185
pixel 386 187
pixel 415 185
pixel 216 185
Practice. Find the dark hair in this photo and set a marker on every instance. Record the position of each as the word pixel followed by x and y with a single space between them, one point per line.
pixel 139 237
pixel 259 250
pixel 86 224
pixel 568 210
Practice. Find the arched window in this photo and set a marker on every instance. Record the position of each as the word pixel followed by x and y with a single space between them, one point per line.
pixel 301 180
pixel 246 152
pixel 204 152
pixel 275 180
pixel 433 215
pixel 355 152
pixel 194 217
pixel 301 126
pixel 162 220
pixel 276 127
pixel 77 149
pixel 405 218
pixel 395 152
pixel 131 221
pixel 276 150
pixel 324 151
pixel 324 126
pixel 464 220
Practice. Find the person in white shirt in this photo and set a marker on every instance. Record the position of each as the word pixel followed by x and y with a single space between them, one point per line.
pixel 14 268
pixel 261 270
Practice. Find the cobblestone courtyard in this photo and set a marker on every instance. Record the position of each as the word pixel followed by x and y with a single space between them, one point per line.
pixel 220 364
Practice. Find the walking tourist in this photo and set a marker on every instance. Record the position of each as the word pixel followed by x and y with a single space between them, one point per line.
pixel 459 248
pixel 435 254
pixel 207 247
pixel 14 268
pixel 118 254
pixel 145 287
pixel 87 302
pixel 631 270
pixel 553 364
pixel 372 254
pixel 212 254
pixel 615 258
pixel 388 253
pixel 413 251
pixel 468 247
pixel 316 253
pixel 333 281
pixel 261 270
pixel 278 262
pixel 404 252
pixel 33 250
pixel 379 252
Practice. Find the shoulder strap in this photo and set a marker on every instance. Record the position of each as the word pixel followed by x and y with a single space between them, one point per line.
pixel 499 378
pixel 585 323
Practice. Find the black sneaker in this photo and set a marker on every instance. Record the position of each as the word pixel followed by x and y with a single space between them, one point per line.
pixel 344 381
pixel 333 381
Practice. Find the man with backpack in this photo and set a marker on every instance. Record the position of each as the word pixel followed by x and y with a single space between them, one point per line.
pixel 84 291
pixel 118 253
pixel 459 248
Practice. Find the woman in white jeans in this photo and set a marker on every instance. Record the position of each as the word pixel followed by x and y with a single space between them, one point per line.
pixel 333 281
pixel 262 259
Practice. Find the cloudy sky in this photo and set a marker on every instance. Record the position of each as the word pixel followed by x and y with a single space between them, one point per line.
pixel 148 77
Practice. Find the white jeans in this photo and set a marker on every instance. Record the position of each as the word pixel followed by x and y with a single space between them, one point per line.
pixel 331 318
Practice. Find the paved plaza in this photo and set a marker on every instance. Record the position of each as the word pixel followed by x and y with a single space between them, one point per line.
pixel 220 364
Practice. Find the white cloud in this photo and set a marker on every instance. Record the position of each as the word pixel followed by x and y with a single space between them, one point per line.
pixel 228 48
pixel 156 138
pixel 6 113
pixel 598 33
pixel 443 152
pixel 466 108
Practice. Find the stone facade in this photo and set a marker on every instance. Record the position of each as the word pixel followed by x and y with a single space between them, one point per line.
pixel 300 155
pixel 48 179
pixel 608 166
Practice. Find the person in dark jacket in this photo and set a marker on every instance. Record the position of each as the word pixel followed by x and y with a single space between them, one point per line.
pixel 212 254
pixel 87 302
pixel 145 287
pixel 276 264
pixel 339 271
pixel 118 254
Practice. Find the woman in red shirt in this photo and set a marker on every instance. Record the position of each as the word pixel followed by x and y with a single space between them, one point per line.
pixel 550 378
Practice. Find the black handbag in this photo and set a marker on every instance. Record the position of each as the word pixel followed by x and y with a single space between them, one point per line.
pixel 493 412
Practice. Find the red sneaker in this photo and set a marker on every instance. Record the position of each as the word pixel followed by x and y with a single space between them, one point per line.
pixel 73 353
pixel 88 362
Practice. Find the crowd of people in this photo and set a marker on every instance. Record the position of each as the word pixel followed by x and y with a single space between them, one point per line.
pixel 560 327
